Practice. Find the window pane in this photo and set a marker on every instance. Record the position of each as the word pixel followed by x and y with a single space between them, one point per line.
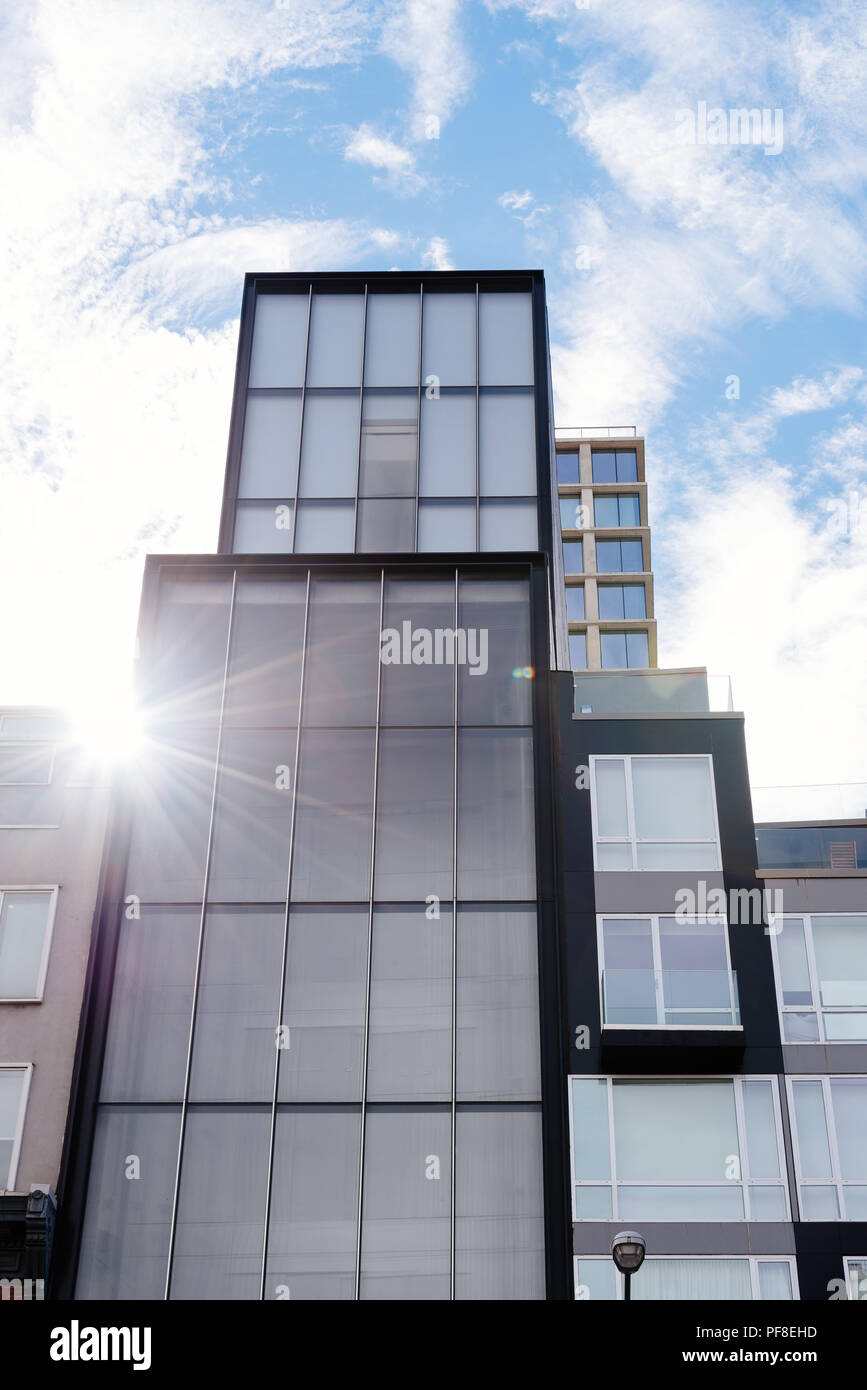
pixel 252 816
pixel 414 813
pixel 405 1234
pixel 11 1088
pixel 672 855
pixel 265 656
pixel 573 557
pixel 596 1280
pixel 238 1005
pixel 792 956
pixel 578 651
pixel 613 649
pixel 627 466
pixel 497 1004
pixel 269 460
pixel 631 557
pixel 604 463
pixel 314 1204
pixel 125 1242
pixel 629 510
pixel 323 1004
pixel 386 524
pixel 172 816
pixel 674 1130
pixel 508 525
pixel 334 357
pixel 768 1203
pixel 329 444
pixel 342 651
pixel 819 1203
pixel 410 1045
pixel 590 1149
pixel 681 1203
pixel 448 445
pixel 446 526
pixel 605 511
pixel 840 946
pixel 495 615
pixel 693 1279
pixel 389 444
pixel 391 340
pixel 608 558
pixel 761 1129
pixel 499 1232
pixel 23 924
pixel 628 971
pixel 611 600
pixel 449 335
pixel 505 339
pixel 849 1101
pixel 815 1157
pixel 610 778
pixel 637 651
pixel 151 1006
pixel 417 693
pixel 575 602
pixel 188 656
pixel 571 517
pixel 325 527
pixel 496 831
pixel 800 1028
pixel 333 825
pixel 263 528
pixel 775 1279
pixel 279 340
pixel 634 601
pixel 673 799
pixel 507 444
pixel 567 469
pixel 221 1205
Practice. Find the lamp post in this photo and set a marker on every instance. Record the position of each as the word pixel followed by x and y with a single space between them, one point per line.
pixel 627 1252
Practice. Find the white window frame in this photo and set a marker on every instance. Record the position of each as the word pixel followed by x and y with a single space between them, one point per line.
pixel 849 1260
pixel 836 1180
pixel 816 1007
pixel 54 890
pixel 745 1182
pixel 631 839
pixel 30 743
pixel 754 1262
pixel 26 1068
pixel 661 1026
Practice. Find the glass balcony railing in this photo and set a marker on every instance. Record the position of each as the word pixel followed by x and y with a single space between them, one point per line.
pixel 839 847
pixel 670 999
pixel 563 433
pixel 652 692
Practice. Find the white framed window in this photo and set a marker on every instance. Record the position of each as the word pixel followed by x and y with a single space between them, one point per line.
pixel 820 969
pixel 26 927
pixel 654 812
pixel 855 1270
pixel 657 971
pixel 706 1148
pixel 14 1089
pixel 672 1278
pixel 829 1139
pixel 26 773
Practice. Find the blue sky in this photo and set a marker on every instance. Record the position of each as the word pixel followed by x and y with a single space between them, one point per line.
pixel 151 151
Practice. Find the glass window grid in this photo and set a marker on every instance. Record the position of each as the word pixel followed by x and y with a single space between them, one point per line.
pixel 620 589
pixel 631 838
pixel 629 646
pixel 457 1105
pixel 619 498
pixel 745 1183
pixel 47 934
pixel 24 1074
pixel 816 1009
pixel 754 1262
pixel 292 499
pixel 613 541
pixel 629 465
pixel 654 918
pixel 836 1181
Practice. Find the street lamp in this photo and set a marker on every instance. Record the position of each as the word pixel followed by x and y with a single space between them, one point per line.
pixel 627 1252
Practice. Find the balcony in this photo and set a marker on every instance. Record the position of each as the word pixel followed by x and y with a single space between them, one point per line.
pixel 835 847
pixel 565 433
pixel 670 999
pixel 676 691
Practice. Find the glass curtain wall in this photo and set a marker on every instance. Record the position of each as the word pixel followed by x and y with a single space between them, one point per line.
pixel 321 1074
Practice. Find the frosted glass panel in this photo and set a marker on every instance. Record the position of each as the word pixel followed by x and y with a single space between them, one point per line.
pixel 415 807
pixel 673 799
pixel 674 856
pixel 405 1234
pixel 323 1004
pixel 499 1235
pixel 448 446
pixel 263 528
pixel 449 337
pixel 590 1151
pixel 496 834
pixel 775 1279
pixel 279 340
pixel 410 1006
pixel 325 527
pixel 508 525
pixel 849 1101
pixel 692 1279
pixel 761 1129
pixel 674 1130
pixel 815 1158
pixel 389 444
pixel 792 956
pixel 497 1004
pixel 336 325
pixel 391 340
pixel 611 818
pixel 840 945
pixel 329 448
pixel 680 1203
pixel 507 444
pixel 446 526
pixel 386 524
pixel 269 459
pixel 505 339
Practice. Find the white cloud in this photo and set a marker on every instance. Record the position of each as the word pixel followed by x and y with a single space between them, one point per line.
pixel 425 40
pixel 366 146
pixel 437 256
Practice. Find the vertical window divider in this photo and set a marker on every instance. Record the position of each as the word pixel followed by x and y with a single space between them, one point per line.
pixel 366 1038
pixel 418 416
pixel 743 1148
pixel 196 977
pixel 813 973
pixel 301 428
pixel 833 1148
pixel 360 435
pixel 656 956
pixel 282 1002
pixel 454 1057
pixel 478 422
pixel 612 1151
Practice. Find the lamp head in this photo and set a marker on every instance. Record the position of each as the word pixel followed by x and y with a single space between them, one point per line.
pixel 627 1251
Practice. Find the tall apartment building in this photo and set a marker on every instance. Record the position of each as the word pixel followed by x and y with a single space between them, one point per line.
pixel 423 965
pixel 52 827
pixel 606 548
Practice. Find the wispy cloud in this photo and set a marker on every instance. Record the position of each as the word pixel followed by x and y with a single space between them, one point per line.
pixel 437 256
pixel 426 41
pixel 398 164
